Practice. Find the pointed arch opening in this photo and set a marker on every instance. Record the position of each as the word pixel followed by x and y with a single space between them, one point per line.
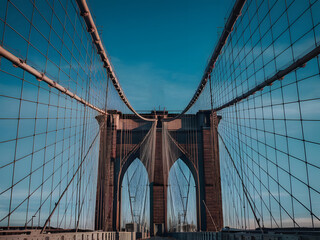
pixel 135 197
pixel 181 199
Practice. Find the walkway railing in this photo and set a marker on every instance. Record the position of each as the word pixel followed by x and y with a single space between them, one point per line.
pixel 238 235
pixel 73 236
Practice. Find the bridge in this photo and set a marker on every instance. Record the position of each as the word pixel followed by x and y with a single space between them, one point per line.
pixel 240 161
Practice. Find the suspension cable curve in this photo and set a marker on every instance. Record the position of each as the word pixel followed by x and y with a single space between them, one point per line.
pixel 92 29
pixel 228 28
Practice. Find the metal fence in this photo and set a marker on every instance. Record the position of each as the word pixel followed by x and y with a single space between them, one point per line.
pixel 265 86
pixel 72 236
pixel 52 86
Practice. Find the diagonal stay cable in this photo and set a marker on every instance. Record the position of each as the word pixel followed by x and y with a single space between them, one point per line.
pixel 84 196
pixel 204 203
pixel 242 183
pixel 73 177
pixel 137 146
pixel 178 145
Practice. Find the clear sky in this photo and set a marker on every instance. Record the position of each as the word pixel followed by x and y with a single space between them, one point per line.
pixel 160 47
pixel 159 50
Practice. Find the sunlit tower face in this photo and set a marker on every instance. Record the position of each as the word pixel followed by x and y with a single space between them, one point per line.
pixel 181 210
pixel 135 196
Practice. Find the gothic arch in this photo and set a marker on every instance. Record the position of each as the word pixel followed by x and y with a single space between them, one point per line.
pixel 139 175
pixel 193 169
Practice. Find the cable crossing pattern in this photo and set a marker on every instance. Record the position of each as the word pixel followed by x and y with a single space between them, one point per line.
pixel 261 87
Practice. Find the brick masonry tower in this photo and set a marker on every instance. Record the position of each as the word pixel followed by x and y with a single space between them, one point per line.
pixel 113 164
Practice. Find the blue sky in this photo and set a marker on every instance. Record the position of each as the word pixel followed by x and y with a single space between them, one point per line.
pixel 159 48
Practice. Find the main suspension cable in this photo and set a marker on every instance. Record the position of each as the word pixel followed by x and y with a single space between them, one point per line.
pixel 92 29
pixel 235 13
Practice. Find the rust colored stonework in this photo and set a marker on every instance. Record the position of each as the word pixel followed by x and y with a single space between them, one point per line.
pixel 115 157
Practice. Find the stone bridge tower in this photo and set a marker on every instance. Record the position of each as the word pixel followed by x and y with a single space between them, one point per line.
pixel 112 166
